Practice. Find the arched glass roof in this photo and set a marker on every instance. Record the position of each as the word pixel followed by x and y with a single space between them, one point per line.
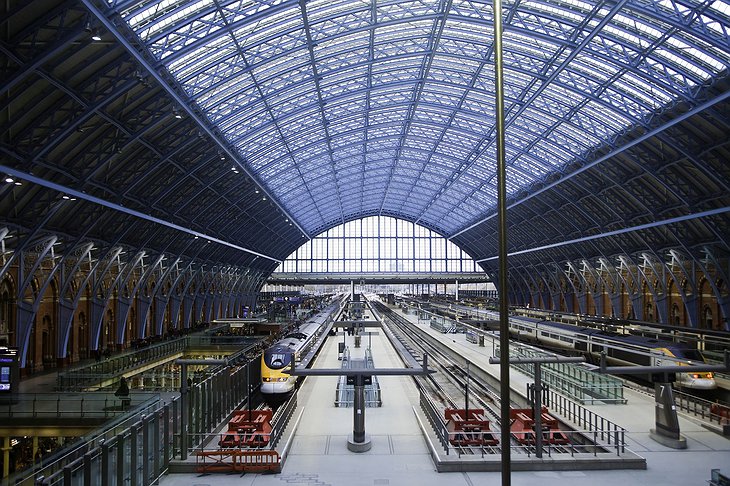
pixel 345 109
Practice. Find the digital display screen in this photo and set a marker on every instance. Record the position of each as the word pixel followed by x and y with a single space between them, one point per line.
pixel 4 374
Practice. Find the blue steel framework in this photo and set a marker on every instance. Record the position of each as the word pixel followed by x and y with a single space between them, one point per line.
pixel 200 143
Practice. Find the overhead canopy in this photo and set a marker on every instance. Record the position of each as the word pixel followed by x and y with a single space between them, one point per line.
pixel 258 124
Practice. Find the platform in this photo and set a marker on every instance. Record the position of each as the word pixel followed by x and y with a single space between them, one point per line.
pixel 400 454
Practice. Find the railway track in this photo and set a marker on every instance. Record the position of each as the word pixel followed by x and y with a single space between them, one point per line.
pixel 446 388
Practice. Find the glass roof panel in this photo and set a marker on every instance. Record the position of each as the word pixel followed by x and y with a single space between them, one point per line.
pixel 390 107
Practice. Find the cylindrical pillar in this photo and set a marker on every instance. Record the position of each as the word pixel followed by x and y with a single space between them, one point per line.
pixel 537 413
pixel 6 457
pixel 359 441
pixel 358 431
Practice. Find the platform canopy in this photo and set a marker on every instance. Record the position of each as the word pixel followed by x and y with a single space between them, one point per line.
pixel 258 124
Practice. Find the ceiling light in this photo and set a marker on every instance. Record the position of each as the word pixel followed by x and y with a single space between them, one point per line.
pixel 95 35
pixel 264 198
pixel 176 114
pixel 9 180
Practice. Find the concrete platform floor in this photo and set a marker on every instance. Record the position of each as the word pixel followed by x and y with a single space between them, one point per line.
pixel 399 454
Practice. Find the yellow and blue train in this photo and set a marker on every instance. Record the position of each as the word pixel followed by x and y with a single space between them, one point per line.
pixel 276 384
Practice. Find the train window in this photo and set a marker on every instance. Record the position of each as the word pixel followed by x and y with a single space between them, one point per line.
pixel 692 354
pixel 277 359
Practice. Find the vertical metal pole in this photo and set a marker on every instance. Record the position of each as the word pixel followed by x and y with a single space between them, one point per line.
pixel 121 465
pixel 248 386
pixel 87 469
pixel 133 455
pixel 165 438
pixel 105 458
pixel 502 231
pixel 537 411
pixel 183 411
pixel 466 393
pixel 358 431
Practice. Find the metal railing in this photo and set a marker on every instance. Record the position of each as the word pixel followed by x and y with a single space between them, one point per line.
pixel 136 448
pixel 94 374
pixel 575 381
pixel 594 434
pixel 345 394
pixel 71 405
pixel 714 412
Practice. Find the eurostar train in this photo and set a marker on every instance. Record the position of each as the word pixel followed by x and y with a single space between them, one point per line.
pixel 275 384
pixel 621 349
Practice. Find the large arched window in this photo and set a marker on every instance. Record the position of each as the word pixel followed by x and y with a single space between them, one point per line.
pixel 379 244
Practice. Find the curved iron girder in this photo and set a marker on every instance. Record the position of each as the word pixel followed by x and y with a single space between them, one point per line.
pixel 25 311
pixel 715 271
pixel 617 284
pixel 70 265
pixel 147 217
pixel 580 286
pixel 126 39
pixel 607 156
pixel 596 288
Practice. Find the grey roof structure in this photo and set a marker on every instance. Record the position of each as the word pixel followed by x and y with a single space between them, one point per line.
pixel 230 132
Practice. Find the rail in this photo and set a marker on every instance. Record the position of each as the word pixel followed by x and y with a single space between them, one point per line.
pixel 602 428
pixel 93 374
pixel 434 418
pixel 99 373
pixel 71 405
pixel 579 383
pixel 136 448
pixel 281 420
pixel 594 436
pixel 714 412
pixel 345 393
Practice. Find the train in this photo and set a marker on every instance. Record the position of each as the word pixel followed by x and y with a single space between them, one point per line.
pixel 278 358
pixel 620 349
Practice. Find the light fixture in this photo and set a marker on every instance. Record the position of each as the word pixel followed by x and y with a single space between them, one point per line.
pixel 263 198
pixel 9 180
pixel 68 198
pixel 95 35
pixel 256 190
pixel 176 114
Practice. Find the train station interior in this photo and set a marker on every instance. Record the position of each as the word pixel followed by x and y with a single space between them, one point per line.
pixel 364 242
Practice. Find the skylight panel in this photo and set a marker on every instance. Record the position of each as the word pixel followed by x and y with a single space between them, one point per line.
pixel 339 45
pixel 554 11
pixel 146 17
pixel 468 32
pixel 201 57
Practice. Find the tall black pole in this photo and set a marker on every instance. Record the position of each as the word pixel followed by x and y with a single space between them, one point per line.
pixel 466 393
pixel 502 231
